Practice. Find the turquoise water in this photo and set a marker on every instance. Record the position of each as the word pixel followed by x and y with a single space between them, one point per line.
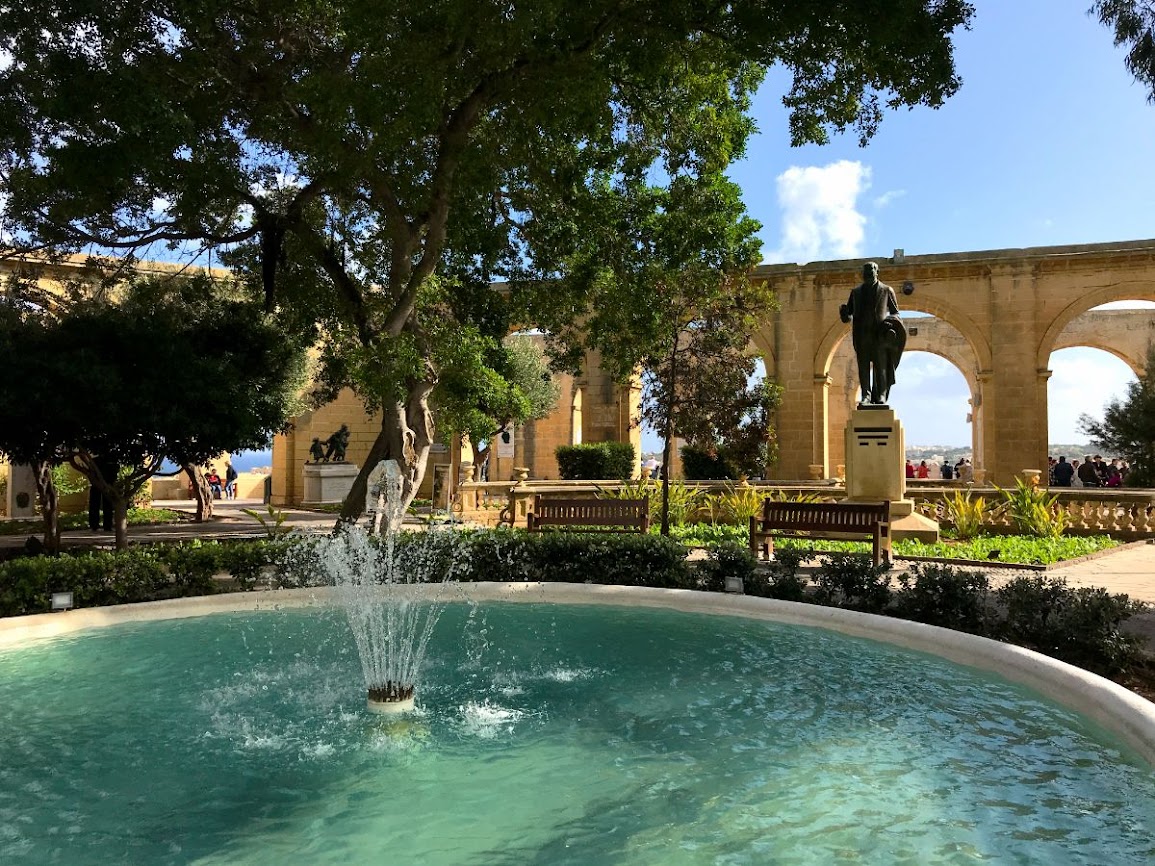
pixel 546 736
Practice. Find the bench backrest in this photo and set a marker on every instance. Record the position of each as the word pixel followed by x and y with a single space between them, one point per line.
pixel 626 514
pixel 816 516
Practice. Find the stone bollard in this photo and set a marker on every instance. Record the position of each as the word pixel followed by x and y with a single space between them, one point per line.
pixel 467 470
pixel 816 471
pixel 1031 476
pixel 521 474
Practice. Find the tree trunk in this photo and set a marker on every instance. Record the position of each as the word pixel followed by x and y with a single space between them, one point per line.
pixel 49 506
pixel 407 432
pixel 668 436
pixel 120 504
pixel 201 492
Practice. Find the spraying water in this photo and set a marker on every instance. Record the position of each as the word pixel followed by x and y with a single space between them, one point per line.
pixel 391 629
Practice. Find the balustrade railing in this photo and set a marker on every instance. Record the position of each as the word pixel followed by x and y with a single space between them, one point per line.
pixel 1126 514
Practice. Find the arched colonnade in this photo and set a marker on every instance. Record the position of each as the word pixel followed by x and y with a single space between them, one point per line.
pixel 998 316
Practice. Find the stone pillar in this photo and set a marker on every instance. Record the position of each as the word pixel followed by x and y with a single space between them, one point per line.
pixel 820 426
pixel 1017 431
pixel 21 490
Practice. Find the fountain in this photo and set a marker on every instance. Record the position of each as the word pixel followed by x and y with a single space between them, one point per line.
pixel 586 724
pixel 391 631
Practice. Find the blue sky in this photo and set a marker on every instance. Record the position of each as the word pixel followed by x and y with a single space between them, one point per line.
pixel 1047 142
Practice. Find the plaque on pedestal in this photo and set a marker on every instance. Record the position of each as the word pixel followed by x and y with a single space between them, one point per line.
pixel 21 491
pixel 326 483
pixel 876 470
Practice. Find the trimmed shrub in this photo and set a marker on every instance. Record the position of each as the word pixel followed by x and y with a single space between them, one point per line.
pixel 727 560
pixel 853 581
pixel 1079 626
pixel 782 579
pixel 945 596
pixel 700 465
pixel 595 461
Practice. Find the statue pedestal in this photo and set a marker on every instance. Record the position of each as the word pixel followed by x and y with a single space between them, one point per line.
pixel 876 470
pixel 326 483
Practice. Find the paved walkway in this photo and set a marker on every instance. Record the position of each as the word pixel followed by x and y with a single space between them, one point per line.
pixel 1130 571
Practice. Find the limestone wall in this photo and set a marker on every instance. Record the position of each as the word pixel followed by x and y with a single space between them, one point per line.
pixel 1007 311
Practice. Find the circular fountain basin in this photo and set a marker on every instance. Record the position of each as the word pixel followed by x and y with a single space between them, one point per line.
pixel 560 734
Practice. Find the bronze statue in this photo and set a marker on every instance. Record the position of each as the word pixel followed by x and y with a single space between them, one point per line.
pixel 317 450
pixel 336 444
pixel 878 334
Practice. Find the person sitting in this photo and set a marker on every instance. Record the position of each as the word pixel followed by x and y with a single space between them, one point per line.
pixel 214 482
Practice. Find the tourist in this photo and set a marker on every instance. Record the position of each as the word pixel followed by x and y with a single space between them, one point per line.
pixel 230 481
pixel 923 470
pixel 1114 476
pixel 1062 473
pixel 214 482
pixel 1101 470
pixel 1087 473
pixel 965 471
pixel 947 471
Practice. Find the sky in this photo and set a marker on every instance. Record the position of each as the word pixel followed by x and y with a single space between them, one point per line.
pixel 1048 141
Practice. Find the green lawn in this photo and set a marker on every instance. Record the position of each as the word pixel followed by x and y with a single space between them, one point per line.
pixel 136 517
pixel 1010 548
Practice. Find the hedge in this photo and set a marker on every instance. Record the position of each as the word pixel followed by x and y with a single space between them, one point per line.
pixel 595 461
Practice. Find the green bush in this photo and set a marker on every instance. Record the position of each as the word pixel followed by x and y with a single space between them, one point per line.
pixel 782 578
pixel 1033 510
pixel 853 581
pixel 94 579
pixel 967 515
pixel 945 596
pixel 727 560
pixel 595 461
pixel 1079 626
pixel 701 465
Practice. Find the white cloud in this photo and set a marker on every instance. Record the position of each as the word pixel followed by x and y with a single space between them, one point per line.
pixel 887 197
pixel 820 217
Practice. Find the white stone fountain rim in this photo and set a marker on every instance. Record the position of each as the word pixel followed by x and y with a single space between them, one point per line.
pixel 1120 710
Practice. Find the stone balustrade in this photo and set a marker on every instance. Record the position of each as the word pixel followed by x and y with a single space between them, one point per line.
pixel 1124 514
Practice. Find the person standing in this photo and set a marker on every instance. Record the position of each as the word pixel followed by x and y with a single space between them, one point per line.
pixel 1087 473
pixel 1063 472
pixel 99 505
pixel 923 470
pixel 230 481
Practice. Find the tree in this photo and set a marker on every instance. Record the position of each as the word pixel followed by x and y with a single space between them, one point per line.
pixel 737 439
pixel 520 389
pixel 374 167
pixel 1134 24
pixel 1128 428
pixel 161 374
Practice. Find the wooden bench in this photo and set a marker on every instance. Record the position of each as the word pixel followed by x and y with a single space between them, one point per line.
pixel 822 520
pixel 590 515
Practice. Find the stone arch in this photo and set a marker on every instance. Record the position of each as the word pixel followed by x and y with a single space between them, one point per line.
pixel 935 337
pixel 1084 304
pixel 941 310
pixel 1136 365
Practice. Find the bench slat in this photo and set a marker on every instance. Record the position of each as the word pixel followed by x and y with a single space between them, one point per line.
pixel 822 519
pixel 614 515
